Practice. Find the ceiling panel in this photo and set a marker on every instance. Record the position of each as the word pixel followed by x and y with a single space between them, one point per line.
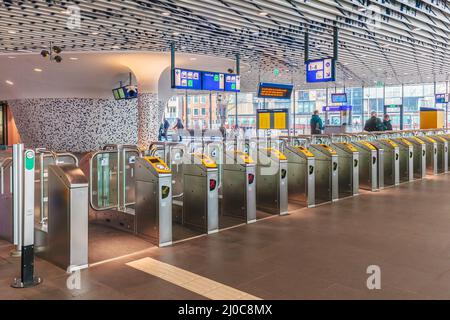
pixel 395 41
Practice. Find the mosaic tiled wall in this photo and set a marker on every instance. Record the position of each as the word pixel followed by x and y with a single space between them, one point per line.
pixel 80 125
pixel 76 125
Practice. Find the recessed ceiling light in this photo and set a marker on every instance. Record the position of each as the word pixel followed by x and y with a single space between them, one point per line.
pixel 175 33
pixel 73 58
pixel 94 33
pixel 406 73
pixel 11 31
pixel 350 78
pixel 417 29
pixel 192 59
pixel 362 9
pixel 166 13
pixel 11 57
pixel 9 82
pixel 115 47
pixel 37 70
pixel 263 13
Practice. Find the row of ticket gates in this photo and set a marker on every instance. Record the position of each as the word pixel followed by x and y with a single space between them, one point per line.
pixel 200 184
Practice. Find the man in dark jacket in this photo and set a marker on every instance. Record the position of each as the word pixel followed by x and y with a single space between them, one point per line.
pixel 387 123
pixel 316 123
pixel 374 123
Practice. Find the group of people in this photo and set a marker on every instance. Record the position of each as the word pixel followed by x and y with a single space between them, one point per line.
pixel 164 128
pixel 372 124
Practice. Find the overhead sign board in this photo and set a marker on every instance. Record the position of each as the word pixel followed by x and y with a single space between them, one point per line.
pixel 336 108
pixel 272 119
pixel 441 98
pixel 206 80
pixel 275 90
pixel 320 70
pixel 339 98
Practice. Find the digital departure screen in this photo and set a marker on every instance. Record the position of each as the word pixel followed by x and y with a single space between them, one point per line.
pixel 125 93
pixel 339 98
pixel 232 83
pixel 275 90
pixel 321 70
pixel 188 79
pixel 213 81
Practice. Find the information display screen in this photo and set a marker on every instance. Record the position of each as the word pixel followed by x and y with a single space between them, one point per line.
pixel 188 79
pixel 232 83
pixel 336 108
pixel 125 93
pixel 321 70
pixel 275 90
pixel 339 98
pixel 272 119
pixel 213 81
pixel 441 98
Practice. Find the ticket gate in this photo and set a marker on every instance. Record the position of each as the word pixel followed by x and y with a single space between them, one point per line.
pixel 432 154
pixel 406 159
pixel 368 165
pixel 446 136
pixel 388 162
pixel 301 175
pixel 419 157
pixel 238 187
pixel 272 184
pixel 200 194
pixel 68 217
pixel 348 169
pixel 442 153
pixel 327 178
pixel 153 207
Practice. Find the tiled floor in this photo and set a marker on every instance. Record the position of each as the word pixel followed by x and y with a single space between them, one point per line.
pixel 320 253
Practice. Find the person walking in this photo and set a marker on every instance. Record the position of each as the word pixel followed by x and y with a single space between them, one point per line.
pixel 178 126
pixel 374 123
pixel 316 123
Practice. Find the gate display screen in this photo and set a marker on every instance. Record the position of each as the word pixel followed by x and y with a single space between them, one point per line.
pixel 321 70
pixel 188 79
pixel 213 81
pixel 339 98
pixel 275 90
pixel 232 83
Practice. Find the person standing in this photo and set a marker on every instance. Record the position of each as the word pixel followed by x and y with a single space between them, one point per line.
pixel 374 123
pixel 387 123
pixel 166 126
pixel 316 123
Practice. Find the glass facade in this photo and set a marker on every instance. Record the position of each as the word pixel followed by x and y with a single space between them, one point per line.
pixel 401 102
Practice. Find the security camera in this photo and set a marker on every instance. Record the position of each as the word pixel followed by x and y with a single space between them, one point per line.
pixel 57 49
pixel 45 53
pixel 58 59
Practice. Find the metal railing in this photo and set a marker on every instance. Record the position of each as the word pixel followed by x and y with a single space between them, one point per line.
pixel 111 177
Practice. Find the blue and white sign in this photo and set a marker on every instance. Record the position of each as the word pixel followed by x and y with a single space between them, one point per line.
pixel 441 98
pixel 321 70
pixel 336 108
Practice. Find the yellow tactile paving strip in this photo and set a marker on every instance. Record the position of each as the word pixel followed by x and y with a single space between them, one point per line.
pixel 190 281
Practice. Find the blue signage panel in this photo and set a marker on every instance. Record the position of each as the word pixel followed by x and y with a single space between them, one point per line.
pixel 232 83
pixel 213 81
pixel 275 90
pixel 339 98
pixel 441 98
pixel 188 79
pixel 321 70
pixel 336 108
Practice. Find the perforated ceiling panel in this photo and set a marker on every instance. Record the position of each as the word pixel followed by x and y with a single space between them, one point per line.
pixel 396 41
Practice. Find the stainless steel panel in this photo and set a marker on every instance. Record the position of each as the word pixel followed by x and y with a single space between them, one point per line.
pixel 68 217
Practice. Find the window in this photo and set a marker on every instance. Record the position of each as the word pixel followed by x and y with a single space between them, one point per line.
pixel 195 112
pixel 203 111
